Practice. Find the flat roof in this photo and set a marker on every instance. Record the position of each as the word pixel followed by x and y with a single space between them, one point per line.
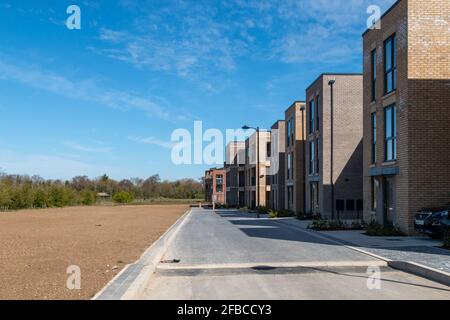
pixel 384 14
pixel 332 74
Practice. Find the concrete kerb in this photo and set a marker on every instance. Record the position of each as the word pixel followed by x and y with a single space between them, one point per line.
pixel 406 266
pixel 131 281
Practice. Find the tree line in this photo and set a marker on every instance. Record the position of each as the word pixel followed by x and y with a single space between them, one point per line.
pixel 22 191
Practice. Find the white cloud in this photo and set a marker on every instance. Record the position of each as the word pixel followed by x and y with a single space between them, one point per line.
pixel 153 141
pixel 86 90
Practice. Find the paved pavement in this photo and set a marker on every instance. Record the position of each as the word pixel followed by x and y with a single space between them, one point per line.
pixel 233 255
pixel 422 250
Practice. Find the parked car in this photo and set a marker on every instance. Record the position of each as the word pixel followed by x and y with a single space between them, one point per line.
pixel 433 222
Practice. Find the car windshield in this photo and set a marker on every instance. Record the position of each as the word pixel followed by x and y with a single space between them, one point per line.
pixel 439 214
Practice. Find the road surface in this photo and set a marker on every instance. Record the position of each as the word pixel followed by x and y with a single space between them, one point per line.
pixel 233 255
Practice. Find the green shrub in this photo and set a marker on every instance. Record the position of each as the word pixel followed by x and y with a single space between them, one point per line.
pixel 21 197
pixel 263 210
pixel 280 214
pixel 319 224
pixel 87 197
pixel 375 229
pixel 123 197
pixel 328 225
pixel 40 199
pixel 60 196
pixel 5 197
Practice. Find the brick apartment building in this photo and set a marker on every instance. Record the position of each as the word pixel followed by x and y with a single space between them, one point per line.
pixel 235 174
pixel 295 157
pixel 277 166
pixel 407 112
pixel 343 175
pixel 215 186
pixel 257 192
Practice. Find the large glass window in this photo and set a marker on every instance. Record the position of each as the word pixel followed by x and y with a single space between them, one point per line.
pixel 390 135
pixel 374 192
pixel 289 166
pixel 374 74
pixel 312 115
pixel 390 64
pixel 317 113
pixel 317 156
pixel 312 155
pixel 219 183
pixel 374 137
pixel 288 132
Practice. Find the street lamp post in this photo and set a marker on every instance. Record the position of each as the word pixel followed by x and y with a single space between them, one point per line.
pixel 302 109
pixel 331 84
pixel 257 165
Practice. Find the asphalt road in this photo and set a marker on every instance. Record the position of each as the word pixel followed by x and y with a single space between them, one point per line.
pixel 232 255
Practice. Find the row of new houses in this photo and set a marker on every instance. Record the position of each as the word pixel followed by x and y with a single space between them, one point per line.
pixel 374 145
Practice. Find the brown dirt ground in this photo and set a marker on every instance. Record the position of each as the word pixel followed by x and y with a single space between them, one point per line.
pixel 37 246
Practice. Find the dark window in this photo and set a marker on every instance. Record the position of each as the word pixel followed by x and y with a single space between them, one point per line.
pixel 312 115
pixel 269 151
pixel 317 156
pixel 374 192
pixel 288 132
pixel 374 74
pixel 312 154
pixel 292 131
pixel 390 64
pixel 359 205
pixel 317 113
pixel 390 133
pixel 340 205
pixel 289 166
pixel 374 137
pixel 350 205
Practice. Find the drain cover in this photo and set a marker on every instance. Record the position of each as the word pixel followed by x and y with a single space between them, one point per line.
pixel 170 261
pixel 263 268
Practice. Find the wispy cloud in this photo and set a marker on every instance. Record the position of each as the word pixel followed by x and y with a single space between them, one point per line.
pixel 79 147
pixel 86 90
pixel 191 39
pixel 152 141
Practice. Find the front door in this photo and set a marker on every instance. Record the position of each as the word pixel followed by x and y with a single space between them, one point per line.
pixel 389 209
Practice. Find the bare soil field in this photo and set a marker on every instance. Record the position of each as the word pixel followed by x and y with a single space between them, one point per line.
pixel 37 246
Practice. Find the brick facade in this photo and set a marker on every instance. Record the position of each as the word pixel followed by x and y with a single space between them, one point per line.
pixel 277 162
pixel 215 186
pixel 295 144
pixel 420 174
pixel 347 146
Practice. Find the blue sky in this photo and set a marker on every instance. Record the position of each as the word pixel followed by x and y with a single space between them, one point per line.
pixel 106 98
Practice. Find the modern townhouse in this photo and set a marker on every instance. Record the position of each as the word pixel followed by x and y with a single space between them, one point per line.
pixel 235 173
pixel 256 169
pixel 295 157
pixel 215 186
pixel 276 174
pixel 407 112
pixel 334 157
